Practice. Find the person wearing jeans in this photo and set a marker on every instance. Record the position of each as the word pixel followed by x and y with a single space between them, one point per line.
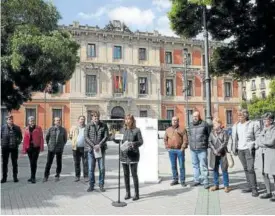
pixel 176 141
pixel 79 151
pixel 96 135
pixel 198 141
pixel 218 141
pixel 33 144
pixel 243 145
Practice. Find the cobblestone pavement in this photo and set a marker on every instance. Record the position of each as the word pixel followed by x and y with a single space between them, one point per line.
pixel 68 197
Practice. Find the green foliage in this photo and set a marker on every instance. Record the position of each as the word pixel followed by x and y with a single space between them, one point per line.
pixel 35 52
pixel 250 25
pixel 258 107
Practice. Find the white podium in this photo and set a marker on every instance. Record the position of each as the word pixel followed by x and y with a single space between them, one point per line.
pixel 148 164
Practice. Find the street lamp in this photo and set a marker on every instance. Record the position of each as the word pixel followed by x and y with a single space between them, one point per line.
pixel 207 77
pixel 186 87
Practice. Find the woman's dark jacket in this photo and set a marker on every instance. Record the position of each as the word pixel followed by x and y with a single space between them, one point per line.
pixel 131 155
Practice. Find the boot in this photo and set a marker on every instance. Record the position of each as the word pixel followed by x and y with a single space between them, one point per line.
pixel 4 180
pixel 227 189
pixel 136 185
pixel 127 187
pixel 15 179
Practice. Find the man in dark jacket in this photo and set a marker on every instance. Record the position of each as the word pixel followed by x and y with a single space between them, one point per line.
pixel 56 139
pixel 96 135
pixel 199 132
pixel 11 138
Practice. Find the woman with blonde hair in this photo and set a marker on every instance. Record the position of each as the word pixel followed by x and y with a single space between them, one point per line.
pixel 218 141
pixel 129 156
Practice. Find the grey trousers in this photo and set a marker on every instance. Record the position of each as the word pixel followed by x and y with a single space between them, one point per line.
pixel 247 159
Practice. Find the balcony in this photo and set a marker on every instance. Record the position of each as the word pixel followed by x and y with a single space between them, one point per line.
pixel 90 94
pixel 142 95
pixel 118 95
pixel 253 88
pixel 262 86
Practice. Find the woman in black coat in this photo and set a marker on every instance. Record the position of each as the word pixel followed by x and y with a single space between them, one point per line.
pixel 129 156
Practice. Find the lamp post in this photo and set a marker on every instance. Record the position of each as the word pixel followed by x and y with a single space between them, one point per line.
pixel 186 87
pixel 207 76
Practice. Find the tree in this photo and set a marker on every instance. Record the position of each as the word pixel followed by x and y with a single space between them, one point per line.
pixel 250 26
pixel 35 53
pixel 257 107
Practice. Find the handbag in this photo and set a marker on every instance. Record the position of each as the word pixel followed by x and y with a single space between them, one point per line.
pixel 230 160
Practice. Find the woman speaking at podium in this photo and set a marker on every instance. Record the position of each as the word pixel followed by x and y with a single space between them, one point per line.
pixel 129 154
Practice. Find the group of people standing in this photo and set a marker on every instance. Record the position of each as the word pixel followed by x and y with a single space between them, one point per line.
pixel 248 141
pixel 89 145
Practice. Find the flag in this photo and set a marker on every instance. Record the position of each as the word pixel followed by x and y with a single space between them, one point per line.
pixel 124 81
pixel 120 83
pixel 116 81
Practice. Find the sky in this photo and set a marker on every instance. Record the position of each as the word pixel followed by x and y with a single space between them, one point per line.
pixel 143 15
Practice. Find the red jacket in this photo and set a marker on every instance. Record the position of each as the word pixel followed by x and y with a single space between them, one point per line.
pixel 37 138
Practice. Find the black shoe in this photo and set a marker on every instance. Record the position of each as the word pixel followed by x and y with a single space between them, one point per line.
pixel 56 178
pixel 15 179
pixel 45 179
pixel 247 190
pixel 273 198
pixel 255 193
pixel 30 180
pixel 77 179
pixel 33 181
pixel 136 197
pixel 102 189
pixel 86 179
pixel 266 196
pixel 183 184
pixel 195 184
pixel 127 196
pixel 3 180
pixel 90 189
pixel 174 183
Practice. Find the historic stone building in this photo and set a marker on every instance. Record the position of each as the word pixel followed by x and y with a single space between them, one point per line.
pixel 140 73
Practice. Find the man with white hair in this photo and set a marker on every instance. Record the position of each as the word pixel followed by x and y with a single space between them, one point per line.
pixel 244 135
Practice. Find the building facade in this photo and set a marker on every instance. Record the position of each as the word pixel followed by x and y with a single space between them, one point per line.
pixel 141 73
pixel 256 87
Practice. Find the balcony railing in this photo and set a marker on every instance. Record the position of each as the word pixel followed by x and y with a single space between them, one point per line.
pixel 262 86
pixel 253 87
pixel 90 94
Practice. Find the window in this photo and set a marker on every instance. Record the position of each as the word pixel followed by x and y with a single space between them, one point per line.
pixel 186 52
pixel 190 116
pixel 57 113
pixel 118 85
pixel 89 116
pixel 60 88
pixel 143 113
pixel 91 51
pixel 169 87
pixel 29 112
pixel 117 52
pixel 168 57
pixel 263 94
pixel 169 114
pixel 253 95
pixel 142 85
pixel 91 85
pixel 262 85
pixel 229 117
pixel 4 113
pixel 142 53
pixel 228 90
pixel 253 85
pixel 189 88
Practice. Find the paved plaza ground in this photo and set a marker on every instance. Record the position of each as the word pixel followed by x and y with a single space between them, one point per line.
pixel 68 197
